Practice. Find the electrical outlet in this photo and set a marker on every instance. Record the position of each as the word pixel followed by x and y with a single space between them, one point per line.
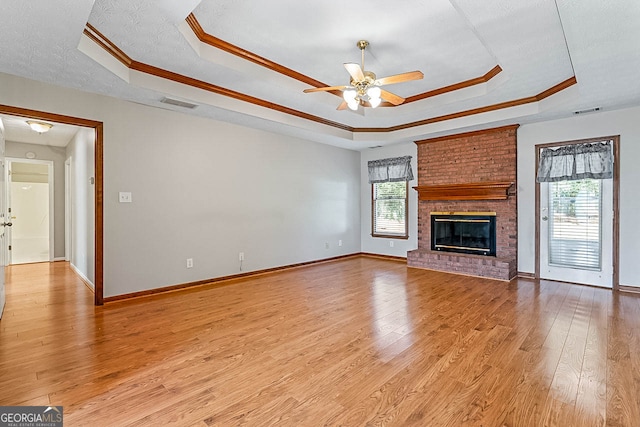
pixel 189 262
pixel 390 243
pixel 241 256
pixel 339 242
pixel 124 197
pixel 326 245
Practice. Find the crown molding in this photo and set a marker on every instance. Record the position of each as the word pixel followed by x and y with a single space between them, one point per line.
pixel 132 64
pixel 247 55
pixel 117 53
pixel 456 86
pixel 110 47
pixel 494 107
pixel 225 46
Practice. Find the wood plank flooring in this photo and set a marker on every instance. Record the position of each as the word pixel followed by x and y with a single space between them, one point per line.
pixel 353 342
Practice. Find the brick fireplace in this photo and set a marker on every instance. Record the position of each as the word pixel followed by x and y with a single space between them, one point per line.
pixel 463 173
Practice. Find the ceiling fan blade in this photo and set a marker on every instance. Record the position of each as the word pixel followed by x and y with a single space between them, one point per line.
pixel 342 106
pixel 391 97
pixel 324 89
pixel 354 71
pixel 399 78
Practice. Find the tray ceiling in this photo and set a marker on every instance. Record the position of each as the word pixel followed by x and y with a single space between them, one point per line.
pixel 485 63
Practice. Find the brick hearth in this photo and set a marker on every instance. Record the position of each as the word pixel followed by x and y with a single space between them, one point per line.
pixel 473 157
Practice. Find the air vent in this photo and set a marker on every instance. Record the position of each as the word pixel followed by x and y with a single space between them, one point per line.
pixel 590 110
pixel 178 103
pixel 375 146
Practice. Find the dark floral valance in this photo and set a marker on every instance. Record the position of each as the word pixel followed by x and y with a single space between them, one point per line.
pixel 390 170
pixel 576 161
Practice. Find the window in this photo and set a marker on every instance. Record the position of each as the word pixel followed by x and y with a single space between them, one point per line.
pixel 389 209
pixel 389 179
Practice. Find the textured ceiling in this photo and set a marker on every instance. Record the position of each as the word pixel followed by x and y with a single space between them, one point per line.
pixel 537 45
pixel 17 130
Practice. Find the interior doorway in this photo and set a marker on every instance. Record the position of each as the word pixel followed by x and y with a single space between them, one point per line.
pixel 30 199
pixel 95 128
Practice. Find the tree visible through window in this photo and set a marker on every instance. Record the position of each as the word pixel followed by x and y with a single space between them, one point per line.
pixel 389 209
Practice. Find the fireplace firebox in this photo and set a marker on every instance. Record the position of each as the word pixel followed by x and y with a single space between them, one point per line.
pixel 464 232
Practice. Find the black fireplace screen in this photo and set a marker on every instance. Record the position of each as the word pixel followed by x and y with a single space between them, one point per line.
pixel 471 234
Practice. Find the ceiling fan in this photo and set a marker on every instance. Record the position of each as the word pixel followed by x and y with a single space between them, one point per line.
pixel 364 87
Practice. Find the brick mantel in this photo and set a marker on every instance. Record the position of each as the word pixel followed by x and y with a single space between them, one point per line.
pixel 473 171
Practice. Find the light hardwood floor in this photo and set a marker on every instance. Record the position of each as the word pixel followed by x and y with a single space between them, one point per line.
pixel 353 342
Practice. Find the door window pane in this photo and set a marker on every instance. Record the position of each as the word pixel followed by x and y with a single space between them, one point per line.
pixel 575 224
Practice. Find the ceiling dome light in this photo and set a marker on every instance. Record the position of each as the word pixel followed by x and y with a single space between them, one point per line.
pixel 353 104
pixel 39 127
pixel 374 102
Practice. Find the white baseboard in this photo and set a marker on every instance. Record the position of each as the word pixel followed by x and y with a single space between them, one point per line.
pixel 84 278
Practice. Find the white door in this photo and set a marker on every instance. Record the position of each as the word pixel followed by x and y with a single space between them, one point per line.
pixel 576 231
pixel 3 221
pixel 30 200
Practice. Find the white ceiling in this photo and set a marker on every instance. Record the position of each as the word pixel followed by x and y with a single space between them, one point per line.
pixel 537 44
pixel 17 130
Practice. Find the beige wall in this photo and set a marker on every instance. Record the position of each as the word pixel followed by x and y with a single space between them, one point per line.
pixel 81 151
pixel 206 190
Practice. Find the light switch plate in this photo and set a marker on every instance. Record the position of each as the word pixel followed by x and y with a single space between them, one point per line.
pixel 125 197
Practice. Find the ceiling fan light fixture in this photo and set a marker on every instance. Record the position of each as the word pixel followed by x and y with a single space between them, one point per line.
pixel 349 94
pixel 363 88
pixel 374 92
pixel 39 127
pixel 353 104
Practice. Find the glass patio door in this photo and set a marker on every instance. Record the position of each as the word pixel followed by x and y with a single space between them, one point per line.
pixel 576 231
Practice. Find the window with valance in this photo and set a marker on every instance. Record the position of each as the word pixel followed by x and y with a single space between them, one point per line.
pixel 389 179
